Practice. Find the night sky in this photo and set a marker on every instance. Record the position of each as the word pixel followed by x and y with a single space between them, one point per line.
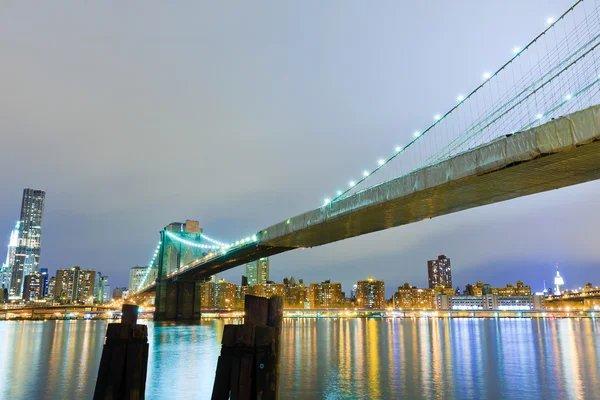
pixel 242 114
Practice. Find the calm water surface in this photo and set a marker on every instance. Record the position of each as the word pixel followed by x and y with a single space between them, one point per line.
pixel 326 359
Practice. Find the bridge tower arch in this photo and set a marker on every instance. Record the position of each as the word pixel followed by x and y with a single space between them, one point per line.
pixel 177 299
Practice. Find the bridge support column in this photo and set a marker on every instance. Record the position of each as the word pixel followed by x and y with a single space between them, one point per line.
pixel 177 301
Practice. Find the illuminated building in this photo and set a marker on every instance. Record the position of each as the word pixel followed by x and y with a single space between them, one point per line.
pixel 207 294
pixel 51 285
pixel 510 290
pixel 75 285
pixel 258 271
pixel 33 287
pixel 44 282
pixel 409 298
pixel 240 295
pixel 370 294
pixel 67 284
pixel 141 276
pixel 559 283
pixel 104 294
pixel 295 293
pixel 490 302
pixel 325 295
pixel 439 272
pixel 6 269
pixel 86 285
pixel 225 294
pixel 27 256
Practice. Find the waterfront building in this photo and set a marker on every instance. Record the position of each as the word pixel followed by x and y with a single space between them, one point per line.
pixel 225 294
pixel 33 287
pixel 439 272
pixel 295 293
pixel 490 302
pixel 325 295
pixel 519 290
pixel 3 295
pixel 370 294
pixel 27 254
pixel 207 294
pixel 258 271
pixel 141 276
pixel 86 286
pixel 67 284
pixel 74 285
pixel 413 298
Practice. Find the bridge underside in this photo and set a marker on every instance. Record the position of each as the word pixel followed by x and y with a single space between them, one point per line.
pixel 560 153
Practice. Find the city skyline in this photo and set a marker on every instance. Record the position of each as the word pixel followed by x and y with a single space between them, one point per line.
pixel 256 275
pixel 108 188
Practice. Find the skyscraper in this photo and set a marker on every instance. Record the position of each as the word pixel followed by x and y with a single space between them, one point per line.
pixel 6 269
pixel 440 273
pixel 27 256
pixel 258 271
pixel 559 283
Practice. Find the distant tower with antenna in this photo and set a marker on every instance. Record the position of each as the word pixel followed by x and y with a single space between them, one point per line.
pixel 559 282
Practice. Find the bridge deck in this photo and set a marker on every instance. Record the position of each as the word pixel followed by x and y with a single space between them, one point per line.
pixel 560 153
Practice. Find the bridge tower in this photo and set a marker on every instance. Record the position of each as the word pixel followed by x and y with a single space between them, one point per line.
pixel 178 299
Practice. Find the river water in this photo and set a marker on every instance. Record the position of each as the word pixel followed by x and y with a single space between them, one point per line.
pixel 326 359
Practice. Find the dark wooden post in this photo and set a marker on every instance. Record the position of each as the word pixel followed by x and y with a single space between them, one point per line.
pixel 124 362
pixel 248 367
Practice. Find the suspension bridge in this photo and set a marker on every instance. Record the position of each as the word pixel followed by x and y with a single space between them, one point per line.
pixel 531 126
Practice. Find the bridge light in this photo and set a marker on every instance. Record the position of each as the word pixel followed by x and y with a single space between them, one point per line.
pixel 540 116
pixel 487 75
pixel 381 162
pixel 417 134
pixel 568 97
pixel 460 97
pixel 398 149
pixel 550 20
pixel 338 193
pixel 516 50
pixel 254 238
pixel 365 173
pixel 437 117
pixel 351 183
pixel 327 201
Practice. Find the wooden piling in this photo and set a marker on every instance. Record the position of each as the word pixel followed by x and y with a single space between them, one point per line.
pixel 124 362
pixel 248 367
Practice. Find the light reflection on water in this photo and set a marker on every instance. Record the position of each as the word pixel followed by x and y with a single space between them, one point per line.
pixel 326 359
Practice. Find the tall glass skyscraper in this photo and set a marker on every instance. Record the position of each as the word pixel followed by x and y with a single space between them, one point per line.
pixel 6 270
pixel 27 255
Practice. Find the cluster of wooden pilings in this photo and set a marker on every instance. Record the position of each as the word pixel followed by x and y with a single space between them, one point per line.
pixel 248 367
